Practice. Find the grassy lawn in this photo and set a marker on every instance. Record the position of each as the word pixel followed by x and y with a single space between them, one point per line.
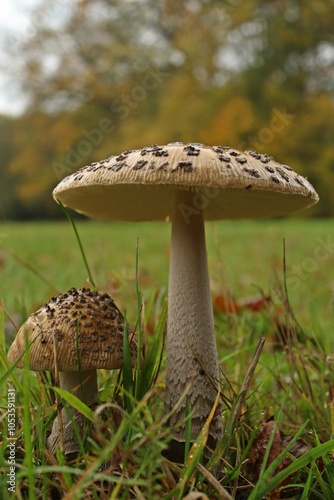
pixel 293 381
pixel 243 256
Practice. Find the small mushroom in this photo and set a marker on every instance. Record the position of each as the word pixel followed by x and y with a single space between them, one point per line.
pixel 188 183
pixel 75 333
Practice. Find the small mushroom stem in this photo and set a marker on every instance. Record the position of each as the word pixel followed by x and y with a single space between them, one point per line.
pixel 84 386
pixel 192 359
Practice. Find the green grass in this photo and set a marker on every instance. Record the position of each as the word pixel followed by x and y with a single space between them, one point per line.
pixel 292 378
pixel 243 256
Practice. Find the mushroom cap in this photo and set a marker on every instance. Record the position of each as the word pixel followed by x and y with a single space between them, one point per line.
pixel 137 185
pixel 85 329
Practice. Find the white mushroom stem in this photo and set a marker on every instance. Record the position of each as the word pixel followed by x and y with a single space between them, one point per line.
pixel 84 386
pixel 191 344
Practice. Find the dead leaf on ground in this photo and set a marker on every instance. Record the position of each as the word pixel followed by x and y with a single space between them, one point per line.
pixel 280 442
pixel 224 302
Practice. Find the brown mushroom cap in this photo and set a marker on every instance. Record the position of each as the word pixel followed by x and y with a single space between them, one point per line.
pixel 83 324
pixel 230 184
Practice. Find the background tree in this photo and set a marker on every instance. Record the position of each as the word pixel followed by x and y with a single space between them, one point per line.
pixel 107 75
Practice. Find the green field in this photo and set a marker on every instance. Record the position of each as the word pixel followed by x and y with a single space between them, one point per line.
pixel 244 257
pixel 293 382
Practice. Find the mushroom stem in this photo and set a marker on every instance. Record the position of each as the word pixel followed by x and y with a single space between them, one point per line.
pixel 192 359
pixel 84 386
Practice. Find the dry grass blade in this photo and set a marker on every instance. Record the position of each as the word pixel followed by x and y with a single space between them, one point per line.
pixel 196 495
pixel 224 495
pixel 246 383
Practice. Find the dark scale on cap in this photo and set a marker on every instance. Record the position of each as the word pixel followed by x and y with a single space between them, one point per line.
pixel 287 168
pixel 254 154
pixel 274 179
pixel 283 174
pixel 58 335
pixel 117 166
pixel 49 313
pixel 265 158
pixel 121 157
pixel 151 165
pixel 105 296
pixel 241 159
pixel 150 149
pixel 191 150
pixel 106 315
pixel 253 172
pixel 223 157
pixel 270 169
pixel 108 348
pixel 78 177
pixel 299 180
pixel 160 152
pixel 233 152
pixel 140 164
pixel 218 149
pixel 187 166
pixel 163 165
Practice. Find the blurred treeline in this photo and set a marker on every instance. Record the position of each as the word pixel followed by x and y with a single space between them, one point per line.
pixel 101 76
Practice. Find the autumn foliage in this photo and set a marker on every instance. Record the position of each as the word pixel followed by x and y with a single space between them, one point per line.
pixel 101 77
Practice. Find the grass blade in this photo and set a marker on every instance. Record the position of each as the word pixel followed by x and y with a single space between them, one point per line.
pixel 2 349
pixel 127 369
pixel 299 463
pixel 187 430
pixel 197 448
pixel 75 402
pixel 139 329
pixel 79 243
pixel 151 364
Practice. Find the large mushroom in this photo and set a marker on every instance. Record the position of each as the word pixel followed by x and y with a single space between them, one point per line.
pixel 74 333
pixel 187 183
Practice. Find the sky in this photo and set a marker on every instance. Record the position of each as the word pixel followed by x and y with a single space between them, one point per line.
pixel 14 17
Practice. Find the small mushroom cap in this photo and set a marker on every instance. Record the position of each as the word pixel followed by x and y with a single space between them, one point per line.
pixel 85 329
pixel 137 185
